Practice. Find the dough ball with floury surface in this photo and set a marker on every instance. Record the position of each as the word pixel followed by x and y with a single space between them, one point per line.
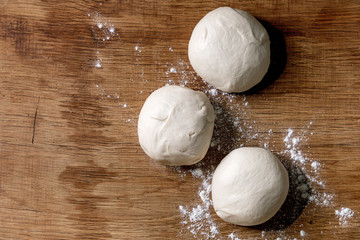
pixel 230 49
pixel 249 186
pixel 175 125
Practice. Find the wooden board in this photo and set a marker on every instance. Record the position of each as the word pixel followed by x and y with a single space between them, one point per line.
pixel 70 94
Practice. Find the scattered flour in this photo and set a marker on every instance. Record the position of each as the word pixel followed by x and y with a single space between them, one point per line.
pixel 344 214
pixel 172 70
pixel 197 219
pixel 213 91
pixel 315 165
pixel 180 71
pixel 104 30
pixel 308 181
pixel 234 125
pixel 197 173
pixel 98 64
pixel 232 236
pixel 310 168
pixel 291 144
pixel 137 48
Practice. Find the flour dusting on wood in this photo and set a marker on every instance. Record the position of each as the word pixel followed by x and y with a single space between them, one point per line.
pixel 233 123
pixel 305 175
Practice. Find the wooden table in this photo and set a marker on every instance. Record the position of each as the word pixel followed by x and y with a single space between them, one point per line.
pixel 73 78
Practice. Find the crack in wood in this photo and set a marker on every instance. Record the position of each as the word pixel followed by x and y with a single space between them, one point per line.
pixel 34 123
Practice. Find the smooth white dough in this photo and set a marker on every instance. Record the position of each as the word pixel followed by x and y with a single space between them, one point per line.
pixel 230 49
pixel 175 125
pixel 249 186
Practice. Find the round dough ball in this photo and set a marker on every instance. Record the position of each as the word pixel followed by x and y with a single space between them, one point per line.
pixel 176 125
pixel 230 49
pixel 249 186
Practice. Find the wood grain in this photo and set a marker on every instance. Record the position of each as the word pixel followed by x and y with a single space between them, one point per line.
pixel 71 165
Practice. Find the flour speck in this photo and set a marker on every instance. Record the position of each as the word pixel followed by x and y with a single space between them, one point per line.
pixel 315 165
pixel 197 173
pixel 213 91
pixel 344 214
pixel 98 64
pixel 232 236
pixel 104 30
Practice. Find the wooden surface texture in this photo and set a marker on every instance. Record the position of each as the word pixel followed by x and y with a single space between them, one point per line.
pixel 74 75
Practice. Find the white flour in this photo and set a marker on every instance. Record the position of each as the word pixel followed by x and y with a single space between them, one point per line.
pixel 137 48
pixel 98 63
pixel 344 215
pixel 196 217
pixel 178 73
pixel 233 237
pixel 291 144
pixel 104 30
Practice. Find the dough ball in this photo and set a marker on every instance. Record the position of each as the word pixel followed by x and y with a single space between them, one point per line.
pixel 176 125
pixel 249 186
pixel 230 49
